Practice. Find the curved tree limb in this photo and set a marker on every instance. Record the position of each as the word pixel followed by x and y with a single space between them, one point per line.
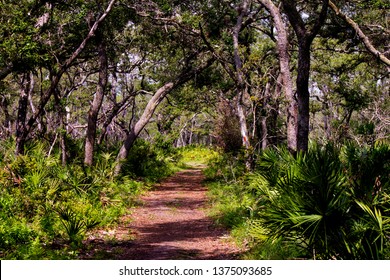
pixel 185 75
pixel 91 33
pixel 220 59
pixel 366 41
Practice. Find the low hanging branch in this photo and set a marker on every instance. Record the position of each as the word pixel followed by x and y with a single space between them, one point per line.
pixel 366 41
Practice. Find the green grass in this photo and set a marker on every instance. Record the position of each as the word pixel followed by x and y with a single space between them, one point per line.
pixel 195 156
pixel 231 207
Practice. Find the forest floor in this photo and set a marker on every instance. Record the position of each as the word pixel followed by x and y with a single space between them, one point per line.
pixel 171 222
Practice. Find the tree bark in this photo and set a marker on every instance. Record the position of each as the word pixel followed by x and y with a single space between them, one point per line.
pixel 4 103
pixel 264 115
pixel 240 81
pixel 237 76
pixel 303 95
pixel 96 104
pixel 141 123
pixel 273 114
pixel 284 64
pixel 117 107
pixel 26 88
pixel 61 111
pixel 305 38
pixel 326 113
pixel 366 41
pixel 33 109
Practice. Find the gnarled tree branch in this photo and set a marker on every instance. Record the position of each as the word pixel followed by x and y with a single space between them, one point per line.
pixel 366 41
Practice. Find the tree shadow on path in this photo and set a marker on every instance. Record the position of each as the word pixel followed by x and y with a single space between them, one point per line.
pixel 171 224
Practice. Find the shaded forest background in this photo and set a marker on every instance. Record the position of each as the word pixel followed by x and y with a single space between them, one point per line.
pixel 101 98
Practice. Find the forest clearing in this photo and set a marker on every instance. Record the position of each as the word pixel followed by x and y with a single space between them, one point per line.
pixel 218 129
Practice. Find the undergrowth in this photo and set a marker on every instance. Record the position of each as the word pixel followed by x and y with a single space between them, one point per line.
pixel 150 162
pixel 47 209
pixel 330 203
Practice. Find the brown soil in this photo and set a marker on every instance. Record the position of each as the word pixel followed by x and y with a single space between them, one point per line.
pixel 171 223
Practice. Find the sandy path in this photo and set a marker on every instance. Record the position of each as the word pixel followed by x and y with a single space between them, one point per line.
pixel 171 223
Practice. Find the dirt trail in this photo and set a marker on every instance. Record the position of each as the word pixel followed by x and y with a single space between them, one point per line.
pixel 171 223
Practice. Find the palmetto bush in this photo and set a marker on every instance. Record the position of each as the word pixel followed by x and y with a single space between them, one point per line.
pixel 43 204
pixel 311 200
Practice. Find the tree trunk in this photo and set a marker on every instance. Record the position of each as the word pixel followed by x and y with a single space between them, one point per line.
pixel 26 87
pixel 243 125
pixel 64 151
pixel 264 114
pixel 7 118
pixel 284 64
pixel 96 104
pixel 117 107
pixel 240 82
pixel 62 114
pixel 303 95
pixel 305 37
pixel 326 113
pixel 273 113
pixel 33 110
pixel 114 110
pixel 264 133
pixel 141 123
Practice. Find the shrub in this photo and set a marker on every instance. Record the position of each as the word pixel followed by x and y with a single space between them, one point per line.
pixel 147 161
pixel 45 207
pixel 227 166
pixel 318 200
